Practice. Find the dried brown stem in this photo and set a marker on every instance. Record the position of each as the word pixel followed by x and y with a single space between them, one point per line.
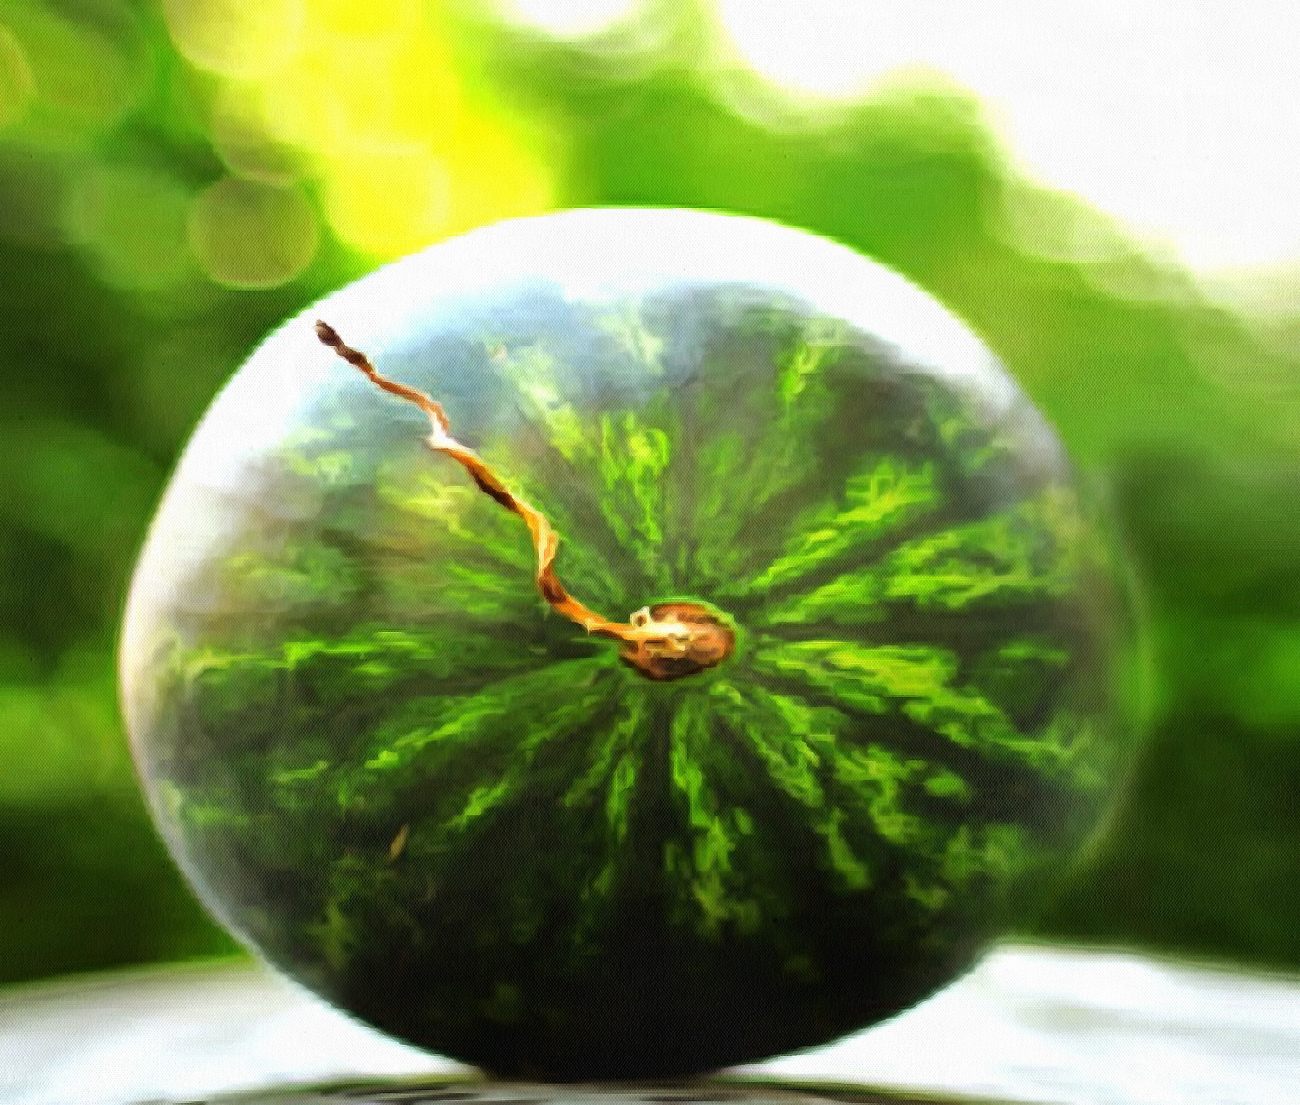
pixel 666 641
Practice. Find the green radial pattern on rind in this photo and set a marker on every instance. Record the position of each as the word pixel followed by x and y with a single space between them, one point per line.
pixel 877 502
pixel 391 767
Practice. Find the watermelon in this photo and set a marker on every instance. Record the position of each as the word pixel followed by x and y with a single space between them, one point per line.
pixel 418 783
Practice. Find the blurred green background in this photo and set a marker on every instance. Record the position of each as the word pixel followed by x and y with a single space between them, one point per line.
pixel 178 177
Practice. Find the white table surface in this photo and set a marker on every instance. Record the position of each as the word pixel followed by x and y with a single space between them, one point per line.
pixel 1029 1024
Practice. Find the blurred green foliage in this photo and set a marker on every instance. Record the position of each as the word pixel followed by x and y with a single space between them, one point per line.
pixel 175 179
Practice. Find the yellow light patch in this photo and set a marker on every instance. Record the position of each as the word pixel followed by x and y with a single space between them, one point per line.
pixel 347 17
pixel 397 202
pixel 493 174
pixel 367 102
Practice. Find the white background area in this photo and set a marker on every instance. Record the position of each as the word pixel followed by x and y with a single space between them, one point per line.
pixel 1181 118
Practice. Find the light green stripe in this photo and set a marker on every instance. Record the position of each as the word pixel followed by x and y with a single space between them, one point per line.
pixel 919 682
pixel 793 740
pixel 1035 551
pixel 874 503
pixel 633 456
pixel 701 868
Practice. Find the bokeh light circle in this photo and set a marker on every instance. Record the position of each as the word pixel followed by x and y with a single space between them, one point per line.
pixel 130 221
pixel 16 84
pixel 250 234
pixel 236 38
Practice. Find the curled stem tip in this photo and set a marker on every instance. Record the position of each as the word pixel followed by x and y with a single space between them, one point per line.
pixel 665 641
